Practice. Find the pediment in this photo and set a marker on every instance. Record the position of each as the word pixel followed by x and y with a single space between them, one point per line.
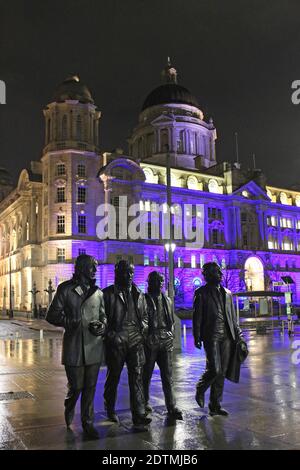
pixel 252 190
pixel 163 119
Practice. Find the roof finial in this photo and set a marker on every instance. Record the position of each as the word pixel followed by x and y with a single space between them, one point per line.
pixel 169 73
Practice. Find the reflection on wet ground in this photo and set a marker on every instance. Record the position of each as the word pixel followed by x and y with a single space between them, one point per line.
pixel 264 408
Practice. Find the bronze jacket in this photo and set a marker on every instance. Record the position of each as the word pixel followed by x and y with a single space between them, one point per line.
pixel 205 310
pixel 168 310
pixel 115 308
pixel 74 310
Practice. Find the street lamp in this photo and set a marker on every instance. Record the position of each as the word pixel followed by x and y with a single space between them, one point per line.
pixel 170 245
pixel 34 293
pixel 10 312
pixel 49 291
pixel 170 248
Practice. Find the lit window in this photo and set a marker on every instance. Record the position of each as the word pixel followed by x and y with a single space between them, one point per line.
pixel 60 224
pixel 81 251
pixel 273 221
pixel 272 243
pixel 202 260
pixel 147 206
pixel 193 261
pixel 81 194
pixel 81 224
pixel 60 169
pixel 141 205
pixel 156 260
pixel 283 198
pixel 81 170
pixel 146 260
pixel 285 222
pixel 150 178
pixel 298 224
pixel 192 182
pixel 61 255
pixel 197 282
pixel 179 262
pixel 287 244
pixel 60 194
pixel 297 200
pixel 213 186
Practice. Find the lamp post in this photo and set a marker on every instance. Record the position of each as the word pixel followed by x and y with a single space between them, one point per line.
pixel 170 248
pixel 49 291
pixel 10 311
pixel 170 245
pixel 34 293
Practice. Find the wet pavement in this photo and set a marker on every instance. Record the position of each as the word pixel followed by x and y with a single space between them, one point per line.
pixel 264 407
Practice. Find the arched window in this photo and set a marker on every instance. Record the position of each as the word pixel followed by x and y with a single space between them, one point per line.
pixel 197 283
pixel 79 128
pixel 64 128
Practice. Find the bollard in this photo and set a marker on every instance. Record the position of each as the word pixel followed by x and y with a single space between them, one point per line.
pixel 41 335
pixel 17 337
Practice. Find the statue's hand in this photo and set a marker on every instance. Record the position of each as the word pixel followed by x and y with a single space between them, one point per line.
pixel 96 328
pixel 198 343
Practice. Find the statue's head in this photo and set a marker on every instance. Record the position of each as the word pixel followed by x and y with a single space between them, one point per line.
pixel 124 272
pixel 86 267
pixel 155 282
pixel 212 273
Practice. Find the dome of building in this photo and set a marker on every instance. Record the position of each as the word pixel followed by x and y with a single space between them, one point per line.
pixel 170 91
pixel 5 177
pixel 72 89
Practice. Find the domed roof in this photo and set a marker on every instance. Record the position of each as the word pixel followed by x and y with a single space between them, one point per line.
pixel 72 89
pixel 5 177
pixel 170 91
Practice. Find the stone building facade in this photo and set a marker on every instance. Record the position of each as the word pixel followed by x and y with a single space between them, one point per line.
pixel 252 229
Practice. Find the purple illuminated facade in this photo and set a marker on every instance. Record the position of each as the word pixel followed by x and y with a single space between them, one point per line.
pixel 250 228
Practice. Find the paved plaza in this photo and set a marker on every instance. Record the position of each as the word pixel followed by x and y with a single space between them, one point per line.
pixel 264 408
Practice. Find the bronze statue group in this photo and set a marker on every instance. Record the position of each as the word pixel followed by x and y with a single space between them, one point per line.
pixel 122 325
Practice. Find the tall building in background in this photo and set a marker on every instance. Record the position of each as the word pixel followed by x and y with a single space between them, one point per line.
pixel 250 228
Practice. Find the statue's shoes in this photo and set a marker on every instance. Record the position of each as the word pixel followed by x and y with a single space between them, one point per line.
pixel 112 416
pixel 90 431
pixel 175 413
pixel 217 411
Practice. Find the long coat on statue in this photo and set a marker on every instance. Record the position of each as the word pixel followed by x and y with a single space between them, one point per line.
pixel 74 310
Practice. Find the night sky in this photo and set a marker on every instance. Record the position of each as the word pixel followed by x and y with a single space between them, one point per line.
pixel 238 58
